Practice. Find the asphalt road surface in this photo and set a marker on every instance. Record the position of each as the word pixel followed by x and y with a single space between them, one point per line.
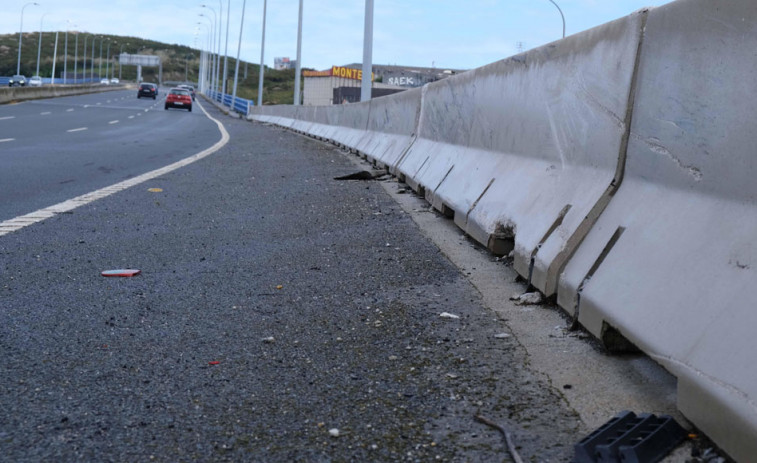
pixel 52 150
pixel 280 315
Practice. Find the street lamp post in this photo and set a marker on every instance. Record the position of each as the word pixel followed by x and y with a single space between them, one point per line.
pixel 92 64
pixel 39 44
pixel 365 87
pixel 561 15
pixel 100 61
pixel 216 26
pixel 21 33
pixel 298 65
pixel 239 49
pixel 226 51
pixel 119 60
pixel 212 47
pixel 107 61
pixel 262 53
pixel 84 64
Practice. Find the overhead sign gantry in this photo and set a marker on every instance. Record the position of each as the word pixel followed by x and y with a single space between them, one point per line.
pixel 142 60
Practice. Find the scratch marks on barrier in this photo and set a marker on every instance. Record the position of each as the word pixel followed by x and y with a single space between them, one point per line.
pixel 555 135
pixel 655 145
pixel 595 102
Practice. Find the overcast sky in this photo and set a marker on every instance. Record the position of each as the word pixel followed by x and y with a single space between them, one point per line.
pixel 450 34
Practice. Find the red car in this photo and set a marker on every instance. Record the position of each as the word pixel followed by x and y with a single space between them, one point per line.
pixel 179 98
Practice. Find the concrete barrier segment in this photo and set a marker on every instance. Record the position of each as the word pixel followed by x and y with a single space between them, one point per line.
pixel 349 122
pixel 51 91
pixel 391 128
pixel 526 148
pixel 671 263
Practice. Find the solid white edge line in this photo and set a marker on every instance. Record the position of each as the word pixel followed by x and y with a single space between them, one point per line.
pixel 22 221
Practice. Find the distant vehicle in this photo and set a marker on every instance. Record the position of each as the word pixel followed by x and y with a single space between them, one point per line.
pixel 114 81
pixel 179 98
pixel 35 81
pixel 104 82
pixel 148 90
pixel 17 81
pixel 188 88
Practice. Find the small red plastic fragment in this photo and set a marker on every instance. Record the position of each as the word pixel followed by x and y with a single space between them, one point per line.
pixel 214 362
pixel 123 272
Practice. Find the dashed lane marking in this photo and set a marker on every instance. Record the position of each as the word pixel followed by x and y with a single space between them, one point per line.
pixel 113 122
pixel 4 118
pixel 45 113
pixel 70 110
pixel 37 216
pixel 3 140
pixel 77 130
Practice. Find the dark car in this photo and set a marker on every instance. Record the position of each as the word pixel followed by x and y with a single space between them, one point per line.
pixel 17 81
pixel 188 88
pixel 148 90
pixel 179 98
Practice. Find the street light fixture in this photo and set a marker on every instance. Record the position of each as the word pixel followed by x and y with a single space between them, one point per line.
pixel 20 33
pixel 561 15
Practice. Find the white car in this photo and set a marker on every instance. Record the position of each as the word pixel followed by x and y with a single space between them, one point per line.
pixel 35 81
pixel 104 81
pixel 114 81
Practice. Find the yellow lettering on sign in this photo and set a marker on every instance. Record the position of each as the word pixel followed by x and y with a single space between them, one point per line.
pixel 348 73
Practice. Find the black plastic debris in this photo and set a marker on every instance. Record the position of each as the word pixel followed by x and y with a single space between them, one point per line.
pixel 629 438
pixel 363 175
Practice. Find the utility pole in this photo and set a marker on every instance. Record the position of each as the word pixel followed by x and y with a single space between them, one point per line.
pixel 365 88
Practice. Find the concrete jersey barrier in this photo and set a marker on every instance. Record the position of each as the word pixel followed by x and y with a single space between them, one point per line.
pixel 620 162
pixel 8 95
pixel 528 148
pixel 672 262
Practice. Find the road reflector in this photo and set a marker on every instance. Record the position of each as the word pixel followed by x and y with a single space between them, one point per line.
pixel 155 190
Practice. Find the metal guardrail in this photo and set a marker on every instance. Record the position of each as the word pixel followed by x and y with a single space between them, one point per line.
pixel 240 105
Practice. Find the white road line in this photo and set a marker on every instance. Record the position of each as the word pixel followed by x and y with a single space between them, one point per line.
pixel 3 140
pixel 77 130
pixel 7 117
pixel 37 216
pixel 113 122
pixel 45 113
pixel 131 117
pixel 70 110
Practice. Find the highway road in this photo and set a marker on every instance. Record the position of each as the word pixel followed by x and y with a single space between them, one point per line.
pixel 280 314
pixel 55 149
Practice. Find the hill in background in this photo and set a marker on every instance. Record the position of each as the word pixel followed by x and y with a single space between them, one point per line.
pixel 180 63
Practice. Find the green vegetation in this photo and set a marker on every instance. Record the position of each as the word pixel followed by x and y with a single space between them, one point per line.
pixel 180 63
